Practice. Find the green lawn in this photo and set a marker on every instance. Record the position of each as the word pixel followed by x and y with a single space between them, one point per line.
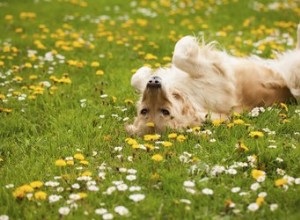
pixel 65 96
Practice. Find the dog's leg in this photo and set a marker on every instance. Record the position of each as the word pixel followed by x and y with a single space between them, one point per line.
pixel 140 78
pixel 186 54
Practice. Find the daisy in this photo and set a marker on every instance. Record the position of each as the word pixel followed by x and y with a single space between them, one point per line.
pixel 121 210
pixel 137 197
pixel 253 207
pixel 64 210
pixel 207 191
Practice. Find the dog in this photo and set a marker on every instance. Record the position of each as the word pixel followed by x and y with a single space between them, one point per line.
pixel 204 83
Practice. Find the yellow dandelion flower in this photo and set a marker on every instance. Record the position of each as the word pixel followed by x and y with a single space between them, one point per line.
pixel 128 101
pixel 2 96
pixel 242 147
pixel 150 56
pixel 100 72
pixel 149 146
pixel 33 77
pixel 256 134
pixel 87 173
pixel 95 64
pixel 230 125
pixel 151 137
pixel 40 195
pixel 8 17
pixel 36 184
pixel 28 65
pixel 79 156
pixel 284 106
pixel 157 157
pixel 167 59
pixel 217 122
pixel 70 162
pixel 150 124
pixel 155 177
pixel 131 141
pixel 21 191
pixel 84 162
pixel 281 182
pixel 181 138
pixel 238 122
pixel 60 163
pixel 1 63
pixel 256 174
pixel 82 195
pixel 167 144
pixel 260 200
pixel 172 136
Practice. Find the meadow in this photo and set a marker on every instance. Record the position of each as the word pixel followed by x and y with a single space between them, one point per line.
pixel 65 96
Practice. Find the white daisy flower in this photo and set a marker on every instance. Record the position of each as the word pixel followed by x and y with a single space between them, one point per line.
pixel 137 197
pixel 64 210
pixel 121 210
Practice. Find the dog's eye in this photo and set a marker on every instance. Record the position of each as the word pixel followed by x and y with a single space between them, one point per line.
pixel 144 111
pixel 165 112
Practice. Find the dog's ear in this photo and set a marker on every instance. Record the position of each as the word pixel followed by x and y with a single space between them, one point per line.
pixel 140 78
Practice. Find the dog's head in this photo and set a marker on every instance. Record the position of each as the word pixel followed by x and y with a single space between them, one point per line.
pixel 161 106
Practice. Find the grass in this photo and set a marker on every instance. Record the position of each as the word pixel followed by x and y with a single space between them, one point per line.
pixel 54 109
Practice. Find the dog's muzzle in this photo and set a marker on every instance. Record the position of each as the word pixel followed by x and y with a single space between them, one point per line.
pixel 154 82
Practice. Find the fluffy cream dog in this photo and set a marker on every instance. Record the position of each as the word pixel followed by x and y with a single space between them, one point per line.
pixel 203 83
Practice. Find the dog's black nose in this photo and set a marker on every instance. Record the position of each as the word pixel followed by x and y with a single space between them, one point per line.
pixel 154 82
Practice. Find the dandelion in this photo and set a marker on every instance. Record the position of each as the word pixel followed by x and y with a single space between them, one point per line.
pixel 79 156
pixel 60 163
pixel 36 184
pixel 150 56
pixel 95 64
pixel 99 72
pixel 181 138
pixel 40 195
pixel 64 210
pixel 167 144
pixel 137 197
pixel 281 182
pixel 157 157
pixel 172 136
pixel 258 175
pixel 242 147
pixel 284 107
pixel 121 210
pixel 256 134
pixel 260 200
pixel 151 137
pixel 218 122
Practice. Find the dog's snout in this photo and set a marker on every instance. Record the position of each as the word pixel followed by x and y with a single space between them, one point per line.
pixel 154 82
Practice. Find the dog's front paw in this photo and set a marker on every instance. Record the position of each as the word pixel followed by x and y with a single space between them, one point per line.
pixel 186 47
pixel 140 78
